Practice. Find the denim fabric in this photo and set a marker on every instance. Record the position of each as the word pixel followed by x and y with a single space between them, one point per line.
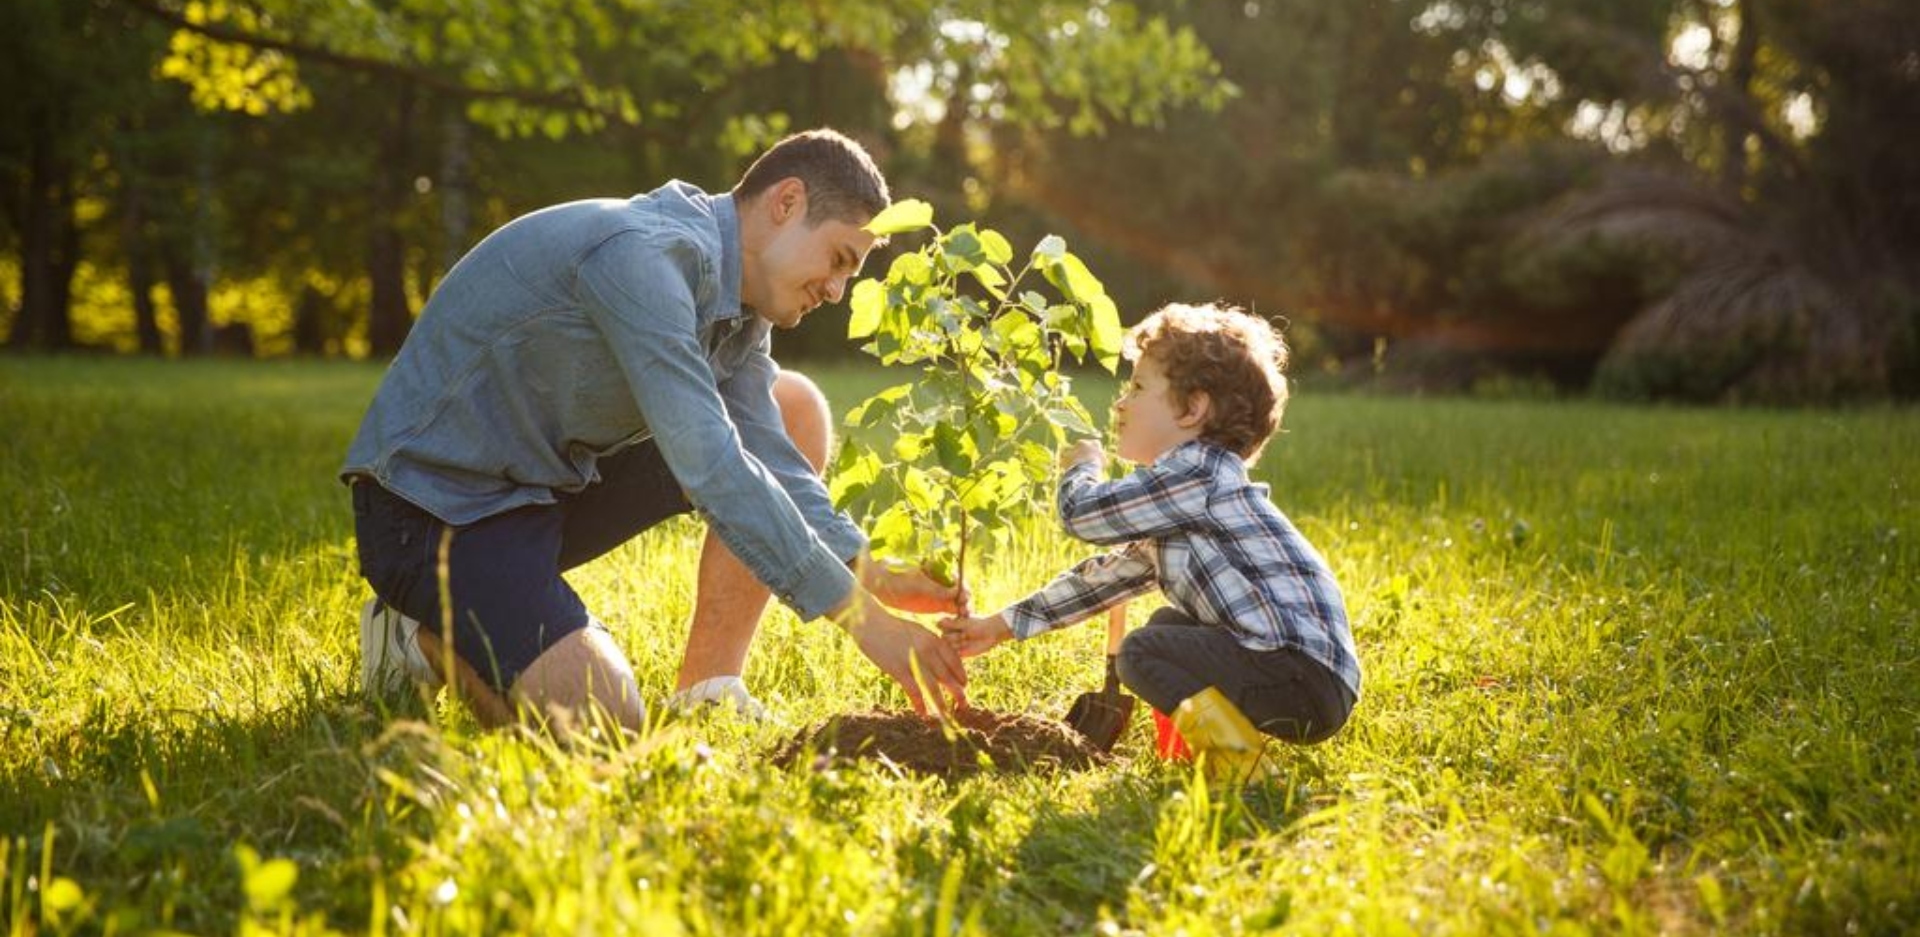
pixel 509 602
pixel 1284 693
pixel 580 330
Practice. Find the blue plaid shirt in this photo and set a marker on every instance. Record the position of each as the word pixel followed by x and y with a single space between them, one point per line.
pixel 1194 525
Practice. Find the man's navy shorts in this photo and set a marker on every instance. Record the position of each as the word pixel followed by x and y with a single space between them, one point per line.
pixel 509 602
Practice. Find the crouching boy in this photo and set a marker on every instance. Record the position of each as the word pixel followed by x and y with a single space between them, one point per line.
pixel 1255 640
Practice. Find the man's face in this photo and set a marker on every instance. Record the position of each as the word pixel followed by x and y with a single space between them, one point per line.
pixel 804 266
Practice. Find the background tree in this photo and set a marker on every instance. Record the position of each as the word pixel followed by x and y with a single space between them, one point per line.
pixel 560 67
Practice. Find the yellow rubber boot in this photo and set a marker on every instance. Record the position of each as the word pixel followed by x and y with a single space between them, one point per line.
pixel 1220 735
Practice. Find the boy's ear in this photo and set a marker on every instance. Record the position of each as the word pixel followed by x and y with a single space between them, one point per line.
pixel 1199 405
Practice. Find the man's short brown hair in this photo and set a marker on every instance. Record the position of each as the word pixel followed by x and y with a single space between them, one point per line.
pixel 842 182
pixel 1235 358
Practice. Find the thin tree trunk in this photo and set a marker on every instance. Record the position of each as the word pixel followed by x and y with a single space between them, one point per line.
pixel 456 216
pixel 1740 73
pixel 133 237
pixel 49 242
pixel 189 300
pixel 309 331
pixel 390 317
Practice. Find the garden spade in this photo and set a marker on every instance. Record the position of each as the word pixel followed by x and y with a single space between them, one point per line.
pixel 1102 716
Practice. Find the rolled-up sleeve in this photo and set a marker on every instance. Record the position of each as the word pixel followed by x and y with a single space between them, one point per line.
pixel 1093 586
pixel 638 288
pixel 748 394
pixel 1152 501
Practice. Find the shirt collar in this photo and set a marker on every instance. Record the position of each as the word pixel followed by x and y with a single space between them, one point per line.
pixel 1210 454
pixel 728 217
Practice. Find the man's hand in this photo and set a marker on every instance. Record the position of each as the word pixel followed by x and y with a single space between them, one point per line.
pixel 975 636
pixel 912 590
pixel 914 657
pixel 1085 450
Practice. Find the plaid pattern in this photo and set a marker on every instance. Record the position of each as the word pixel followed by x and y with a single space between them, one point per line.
pixel 1212 541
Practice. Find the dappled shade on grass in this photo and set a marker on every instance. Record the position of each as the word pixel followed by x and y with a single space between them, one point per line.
pixel 976 740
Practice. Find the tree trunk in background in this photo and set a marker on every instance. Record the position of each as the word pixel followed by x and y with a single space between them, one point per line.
pixel 189 300
pixel 49 243
pixel 309 332
pixel 139 250
pixel 456 214
pixel 390 318
pixel 1351 124
pixel 1740 71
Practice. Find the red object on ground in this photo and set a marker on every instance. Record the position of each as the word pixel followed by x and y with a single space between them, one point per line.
pixel 1167 742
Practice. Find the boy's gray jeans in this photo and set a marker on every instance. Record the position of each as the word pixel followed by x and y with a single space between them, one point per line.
pixel 1285 693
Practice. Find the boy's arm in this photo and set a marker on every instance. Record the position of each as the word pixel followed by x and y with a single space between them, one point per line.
pixel 1083 591
pixel 1153 501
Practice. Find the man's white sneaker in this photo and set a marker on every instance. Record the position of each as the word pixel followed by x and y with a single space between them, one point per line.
pixel 728 691
pixel 390 656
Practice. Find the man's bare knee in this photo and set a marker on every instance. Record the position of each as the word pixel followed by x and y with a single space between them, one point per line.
pixel 809 420
pixel 581 678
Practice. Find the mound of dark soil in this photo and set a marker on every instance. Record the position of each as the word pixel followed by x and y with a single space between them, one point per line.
pixel 976 740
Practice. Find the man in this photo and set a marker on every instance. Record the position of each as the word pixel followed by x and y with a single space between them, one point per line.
pixel 587 371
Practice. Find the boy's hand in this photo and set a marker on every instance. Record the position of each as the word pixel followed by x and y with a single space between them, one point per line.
pixel 1085 450
pixel 912 590
pixel 975 636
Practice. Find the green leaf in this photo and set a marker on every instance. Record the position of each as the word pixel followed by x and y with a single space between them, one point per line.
pixel 1052 247
pixel 868 301
pixel 989 277
pixel 891 534
pixel 955 451
pixel 920 490
pixel 995 245
pixel 939 567
pixel 1017 332
pixel 912 268
pixel 1073 418
pixel 962 249
pixel 1108 337
pixel 908 215
pixel 1071 275
pixel 854 472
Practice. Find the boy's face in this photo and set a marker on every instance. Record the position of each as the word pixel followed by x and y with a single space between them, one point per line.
pixel 1147 420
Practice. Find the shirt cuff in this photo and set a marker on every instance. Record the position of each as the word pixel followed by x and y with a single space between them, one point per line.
pixel 1024 622
pixel 821 584
pixel 844 540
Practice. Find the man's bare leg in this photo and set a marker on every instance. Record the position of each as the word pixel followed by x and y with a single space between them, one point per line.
pixel 583 676
pixel 729 600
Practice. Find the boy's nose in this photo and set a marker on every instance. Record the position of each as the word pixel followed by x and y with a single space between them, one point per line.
pixel 836 288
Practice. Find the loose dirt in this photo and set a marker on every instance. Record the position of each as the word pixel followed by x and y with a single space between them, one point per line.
pixel 978 740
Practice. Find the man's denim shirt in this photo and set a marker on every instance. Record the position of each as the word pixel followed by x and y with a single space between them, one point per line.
pixel 580 330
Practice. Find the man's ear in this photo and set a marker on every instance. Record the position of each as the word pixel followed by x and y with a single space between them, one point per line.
pixel 787 200
pixel 1199 405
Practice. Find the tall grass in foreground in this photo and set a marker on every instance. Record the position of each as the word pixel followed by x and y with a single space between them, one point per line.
pixel 1628 671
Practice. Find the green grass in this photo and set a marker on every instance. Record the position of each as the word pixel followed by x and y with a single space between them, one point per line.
pixel 1628 671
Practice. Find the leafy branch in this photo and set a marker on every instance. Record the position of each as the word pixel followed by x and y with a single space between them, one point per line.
pixel 973 436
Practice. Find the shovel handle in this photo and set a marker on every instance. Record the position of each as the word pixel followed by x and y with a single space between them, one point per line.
pixel 1116 628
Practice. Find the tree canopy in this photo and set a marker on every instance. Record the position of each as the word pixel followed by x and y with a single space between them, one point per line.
pixel 1697 198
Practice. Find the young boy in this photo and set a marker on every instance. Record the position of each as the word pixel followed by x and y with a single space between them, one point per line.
pixel 1256 638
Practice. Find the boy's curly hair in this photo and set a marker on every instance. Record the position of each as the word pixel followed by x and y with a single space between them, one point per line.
pixel 1235 358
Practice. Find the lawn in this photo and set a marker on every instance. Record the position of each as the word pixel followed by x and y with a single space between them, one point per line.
pixel 1627 671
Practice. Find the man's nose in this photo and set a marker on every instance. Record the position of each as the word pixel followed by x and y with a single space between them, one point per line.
pixel 836 288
